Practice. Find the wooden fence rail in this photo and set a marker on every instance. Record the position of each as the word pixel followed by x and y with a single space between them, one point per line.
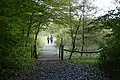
pixel 61 51
pixel 80 51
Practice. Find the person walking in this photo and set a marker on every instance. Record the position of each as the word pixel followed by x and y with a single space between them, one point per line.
pixel 48 39
pixel 51 39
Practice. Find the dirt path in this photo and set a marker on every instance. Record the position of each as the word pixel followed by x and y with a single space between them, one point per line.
pixel 49 52
pixel 62 70
pixel 49 67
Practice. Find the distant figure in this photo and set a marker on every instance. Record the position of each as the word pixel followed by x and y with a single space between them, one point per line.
pixel 51 39
pixel 48 39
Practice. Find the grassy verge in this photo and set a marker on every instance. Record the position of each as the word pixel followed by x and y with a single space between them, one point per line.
pixel 84 60
pixel 77 59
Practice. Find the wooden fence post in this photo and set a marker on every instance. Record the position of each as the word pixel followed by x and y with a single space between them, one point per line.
pixel 35 52
pixel 59 50
pixel 62 51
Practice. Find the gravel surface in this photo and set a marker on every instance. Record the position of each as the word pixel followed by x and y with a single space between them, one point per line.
pixel 61 70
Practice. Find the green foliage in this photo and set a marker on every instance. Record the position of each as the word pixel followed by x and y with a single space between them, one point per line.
pixel 20 23
pixel 110 55
pixel 15 46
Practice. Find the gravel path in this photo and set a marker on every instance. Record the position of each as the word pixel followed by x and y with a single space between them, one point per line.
pixel 61 70
pixel 49 52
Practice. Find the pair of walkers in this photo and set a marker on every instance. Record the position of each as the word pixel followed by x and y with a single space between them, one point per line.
pixel 50 39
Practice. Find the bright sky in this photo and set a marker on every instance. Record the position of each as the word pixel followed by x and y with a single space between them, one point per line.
pixel 105 5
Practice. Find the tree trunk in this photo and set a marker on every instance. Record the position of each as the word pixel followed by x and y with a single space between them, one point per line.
pixel 35 44
pixel 72 33
pixel 74 41
pixel 30 25
pixel 83 35
pixel 70 29
pixel 29 28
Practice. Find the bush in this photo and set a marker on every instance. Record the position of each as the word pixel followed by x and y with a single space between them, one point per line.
pixel 110 60
pixel 13 53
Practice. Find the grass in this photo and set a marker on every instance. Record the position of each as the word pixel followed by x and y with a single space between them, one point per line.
pixel 77 59
pixel 84 60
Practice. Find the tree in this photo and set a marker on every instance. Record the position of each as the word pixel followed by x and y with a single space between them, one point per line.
pixel 110 54
pixel 18 18
pixel 82 10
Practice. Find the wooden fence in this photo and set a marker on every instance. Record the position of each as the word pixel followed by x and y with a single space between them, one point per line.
pixel 61 50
